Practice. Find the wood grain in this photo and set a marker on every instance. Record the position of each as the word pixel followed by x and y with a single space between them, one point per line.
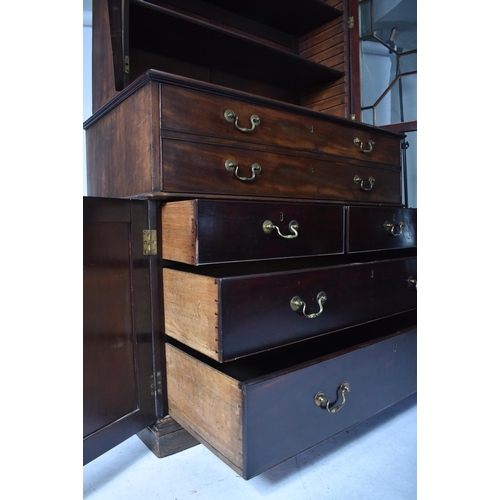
pixel 207 402
pixel 205 116
pixel 123 148
pixel 202 232
pixel 255 424
pixel 329 45
pixel 254 312
pixel 179 231
pixel 191 310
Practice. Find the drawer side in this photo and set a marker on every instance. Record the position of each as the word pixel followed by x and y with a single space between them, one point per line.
pixel 207 403
pixel 191 310
pixel 179 232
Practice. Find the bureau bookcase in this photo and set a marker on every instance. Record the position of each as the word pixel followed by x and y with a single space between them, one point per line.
pixel 275 265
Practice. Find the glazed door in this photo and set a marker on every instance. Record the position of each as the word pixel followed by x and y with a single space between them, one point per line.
pixel 118 400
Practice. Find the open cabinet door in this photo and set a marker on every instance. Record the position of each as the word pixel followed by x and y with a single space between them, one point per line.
pixel 118 377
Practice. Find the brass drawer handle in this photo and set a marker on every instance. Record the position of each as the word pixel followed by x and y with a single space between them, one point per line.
pixel 323 402
pixel 361 182
pixel 412 282
pixel 296 303
pixel 268 227
pixel 231 117
pixel 359 143
pixel 232 166
pixel 391 228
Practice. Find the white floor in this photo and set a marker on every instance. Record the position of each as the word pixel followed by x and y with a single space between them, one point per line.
pixel 375 460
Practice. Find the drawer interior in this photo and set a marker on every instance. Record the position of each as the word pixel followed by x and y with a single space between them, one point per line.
pixel 256 414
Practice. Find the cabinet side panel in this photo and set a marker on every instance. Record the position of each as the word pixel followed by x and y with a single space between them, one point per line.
pixel 122 150
pixel 103 80
pixel 206 403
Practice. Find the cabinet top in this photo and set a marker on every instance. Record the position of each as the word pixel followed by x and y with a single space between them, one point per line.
pixel 161 77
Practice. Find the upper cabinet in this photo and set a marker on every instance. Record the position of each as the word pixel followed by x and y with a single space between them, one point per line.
pixel 265 47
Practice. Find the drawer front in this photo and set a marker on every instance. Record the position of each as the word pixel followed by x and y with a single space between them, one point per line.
pixel 209 169
pixel 255 424
pixel 378 376
pixel 380 228
pixel 204 113
pixel 206 231
pixel 228 318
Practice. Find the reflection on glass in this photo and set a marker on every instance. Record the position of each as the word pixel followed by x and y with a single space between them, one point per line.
pixel 375 71
pixel 409 62
pixel 409 97
pixel 399 103
pixel 367 116
pixel 365 18
pixel 386 52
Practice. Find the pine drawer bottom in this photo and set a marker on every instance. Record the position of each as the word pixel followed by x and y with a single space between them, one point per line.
pixel 258 412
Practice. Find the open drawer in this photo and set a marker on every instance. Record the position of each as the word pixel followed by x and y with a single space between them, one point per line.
pixel 255 414
pixel 201 232
pixel 226 313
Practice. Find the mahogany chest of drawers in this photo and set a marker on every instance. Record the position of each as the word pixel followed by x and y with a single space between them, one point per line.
pixel 293 153
pixel 280 258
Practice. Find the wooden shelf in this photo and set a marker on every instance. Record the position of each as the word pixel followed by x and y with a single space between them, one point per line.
pixel 294 17
pixel 174 35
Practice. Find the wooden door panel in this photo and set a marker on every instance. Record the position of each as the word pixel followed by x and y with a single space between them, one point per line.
pixel 117 332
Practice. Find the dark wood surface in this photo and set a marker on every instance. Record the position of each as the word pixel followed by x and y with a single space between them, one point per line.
pixel 126 158
pixel 298 18
pixel 256 313
pixel 232 316
pixel 166 437
pixel 117 334
pixel 164 136
pixel 379 375
pixel 366 232
pixel 192 166
pixel 106 50
pixel 270 415
pixel 278 127
pixel 182 37
pixel 329 45
pixel 233 231
pixel 118 33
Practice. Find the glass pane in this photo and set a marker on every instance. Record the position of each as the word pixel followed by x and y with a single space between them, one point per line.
pixel 409 97
pixel 367 116
pixel 386 53
pixel 378 68
pixel 365 19
pixel 400 103
pixel 408 62
pixel 395 22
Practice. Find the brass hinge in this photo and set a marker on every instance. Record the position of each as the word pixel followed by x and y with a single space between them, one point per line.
pixel 149 245
pixel 126 64
pixel 155 381
pixel 350 22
